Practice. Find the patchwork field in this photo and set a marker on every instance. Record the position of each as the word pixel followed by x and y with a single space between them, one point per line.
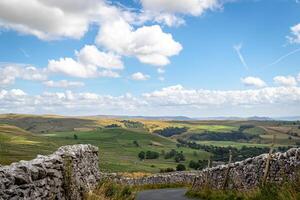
pixel 121 140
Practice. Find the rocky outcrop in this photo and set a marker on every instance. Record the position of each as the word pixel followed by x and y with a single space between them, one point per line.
pixel 65 174
pixel 240 175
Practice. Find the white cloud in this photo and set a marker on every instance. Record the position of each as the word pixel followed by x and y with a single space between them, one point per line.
pixel 288 81
pixel 173 100
pixel 170 12
pixel 63 84
pixel 253 81
pixel 148 43
pixel 138 76
pixel 295 34
pixel 49 19
pixel 298 77
pixel 65 102
pixel 90 63
pixel 178 95
pixel 10 72
pixel 191 7
pixel 90 55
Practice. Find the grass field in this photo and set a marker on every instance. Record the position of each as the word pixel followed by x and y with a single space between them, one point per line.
pixel 119 154
pixel 25 136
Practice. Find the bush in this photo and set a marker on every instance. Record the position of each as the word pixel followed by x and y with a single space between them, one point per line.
pixel 152 155
pixel 166 170
pixel 141 155
pixel 179 157
pixel 170 131
pixel 201 164
pixel 180 167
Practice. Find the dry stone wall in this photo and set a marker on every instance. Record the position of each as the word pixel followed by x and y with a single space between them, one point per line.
pixel 65 174
pixel 73 170
pixel 240 175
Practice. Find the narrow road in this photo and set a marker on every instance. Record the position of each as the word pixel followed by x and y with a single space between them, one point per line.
pixel 162 194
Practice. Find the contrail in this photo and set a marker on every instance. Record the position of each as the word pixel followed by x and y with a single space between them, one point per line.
pixel 238 48
pixel 283 57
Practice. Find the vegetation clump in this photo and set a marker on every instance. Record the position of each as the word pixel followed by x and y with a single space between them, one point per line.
pixel 170 131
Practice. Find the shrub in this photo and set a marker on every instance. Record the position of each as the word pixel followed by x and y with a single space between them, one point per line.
pixel 180 167
pixel 166 170
pixel 152 155
pixel 141 155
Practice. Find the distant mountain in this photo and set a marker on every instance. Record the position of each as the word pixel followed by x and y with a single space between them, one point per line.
pixel 288 118
pixel 165 118
pixel 254 118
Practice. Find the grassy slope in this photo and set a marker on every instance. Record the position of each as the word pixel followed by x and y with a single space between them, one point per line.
pixel 116 148
pixel 117 152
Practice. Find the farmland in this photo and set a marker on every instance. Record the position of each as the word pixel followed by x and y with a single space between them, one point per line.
pixel 121 140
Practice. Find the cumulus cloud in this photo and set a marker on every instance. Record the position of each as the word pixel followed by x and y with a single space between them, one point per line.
pixel 191 7
pixel 49 19
pixel 177 95
pixel 295 34
pixel 253 81
pixel 63 84
pixel 170 12
pixel 10 72
pixel 171 100
pixel 288 81
pixel 65 102
pixel 90 62
pixel 121 30
pixel 138 76
pixel 148 43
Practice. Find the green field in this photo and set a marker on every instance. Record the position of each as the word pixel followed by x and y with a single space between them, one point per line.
pixel 22 137
pixel 117 151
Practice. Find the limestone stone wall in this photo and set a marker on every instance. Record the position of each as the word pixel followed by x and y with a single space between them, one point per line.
pixel 65 174
pixel 241 175
pixel 73 170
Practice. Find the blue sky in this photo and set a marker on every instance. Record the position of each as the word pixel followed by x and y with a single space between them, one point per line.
pixel 198 58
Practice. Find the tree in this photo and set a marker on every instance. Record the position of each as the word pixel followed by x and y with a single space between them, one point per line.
pixel 179 157
pixel 142 155
pixel 75 137
pixel 180 167
pixel 152 155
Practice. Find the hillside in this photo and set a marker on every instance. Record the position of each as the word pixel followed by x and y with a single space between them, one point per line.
pixel 121 140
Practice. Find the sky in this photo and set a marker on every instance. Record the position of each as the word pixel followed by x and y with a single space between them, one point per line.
pixel 196 58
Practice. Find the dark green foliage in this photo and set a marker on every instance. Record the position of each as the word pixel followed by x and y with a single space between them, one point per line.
pixel 222 153
pixel 180 167
pixel 198 165
pixel 179 157
pixel 152 155
pixel 166 170
pixel 75 137
pixel 170 154
pixel 244 127
pixel 142 155
pixel 219 136
pixel 170 131
pixel 113 126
